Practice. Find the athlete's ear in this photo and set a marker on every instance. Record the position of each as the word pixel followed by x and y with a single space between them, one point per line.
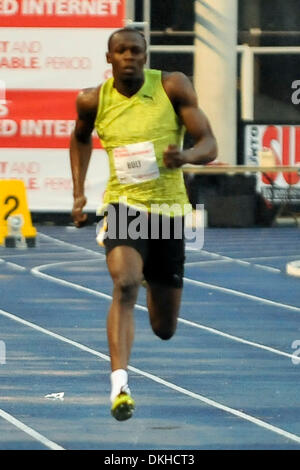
pixel 108 58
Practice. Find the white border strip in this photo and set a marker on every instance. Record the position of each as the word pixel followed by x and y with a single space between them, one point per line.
pixel 207 401
pixel 31 432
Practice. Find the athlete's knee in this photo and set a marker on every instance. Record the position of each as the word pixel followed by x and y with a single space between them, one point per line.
pixel 164 332
pixel 126 289
pixel 165 335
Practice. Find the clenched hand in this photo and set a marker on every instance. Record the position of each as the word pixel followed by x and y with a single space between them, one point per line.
pixel 173 157
pixel 79 217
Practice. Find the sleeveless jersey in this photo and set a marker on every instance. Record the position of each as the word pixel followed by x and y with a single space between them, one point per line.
pixel 134 132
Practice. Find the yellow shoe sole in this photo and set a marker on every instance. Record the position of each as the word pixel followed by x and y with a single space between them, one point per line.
pixel 123 407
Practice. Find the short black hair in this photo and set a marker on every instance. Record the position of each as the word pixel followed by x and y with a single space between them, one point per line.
pixel 127 29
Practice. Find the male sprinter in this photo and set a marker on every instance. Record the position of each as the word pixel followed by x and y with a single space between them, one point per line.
pixel 140 116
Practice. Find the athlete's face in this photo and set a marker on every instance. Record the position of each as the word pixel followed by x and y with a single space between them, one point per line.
pixel 127 55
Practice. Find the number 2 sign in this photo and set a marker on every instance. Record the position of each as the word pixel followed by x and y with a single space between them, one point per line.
pixel 13 201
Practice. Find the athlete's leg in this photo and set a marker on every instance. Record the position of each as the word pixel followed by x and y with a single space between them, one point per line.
pixel 163 306
pixel 125 266
pixel 163 271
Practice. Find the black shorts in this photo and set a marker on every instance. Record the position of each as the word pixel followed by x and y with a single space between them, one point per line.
pixel 159 240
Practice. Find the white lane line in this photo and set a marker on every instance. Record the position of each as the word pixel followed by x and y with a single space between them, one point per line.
pixel 31 432
pixel 189 247
pixel 252 258
pixel 208 262
pixel 159 380
pixel 75 247
pixel 53 335
pixel 36 271
pixel 268 268
pixel 50 254
pixel 242 262
pixel 238 339
pixel 242 294
pixel 15 266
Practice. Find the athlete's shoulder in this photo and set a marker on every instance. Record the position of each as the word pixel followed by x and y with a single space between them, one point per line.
pixel 87 100
pixel 171 81
pixel 176 80
pixel 179 89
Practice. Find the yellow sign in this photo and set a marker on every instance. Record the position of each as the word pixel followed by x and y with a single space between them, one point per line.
pixel 13 202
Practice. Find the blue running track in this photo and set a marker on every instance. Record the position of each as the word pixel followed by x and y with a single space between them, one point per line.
pixel 228 379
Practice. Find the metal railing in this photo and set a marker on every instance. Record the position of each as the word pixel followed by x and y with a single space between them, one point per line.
pixel 247 68
pixel 247 73
pixel 247 55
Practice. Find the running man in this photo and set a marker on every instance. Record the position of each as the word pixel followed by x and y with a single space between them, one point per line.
pixel 140 116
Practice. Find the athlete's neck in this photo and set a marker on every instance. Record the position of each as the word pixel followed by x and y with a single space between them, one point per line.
pixel 129 87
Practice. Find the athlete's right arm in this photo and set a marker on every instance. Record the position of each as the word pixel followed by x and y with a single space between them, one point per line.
pixel 81 149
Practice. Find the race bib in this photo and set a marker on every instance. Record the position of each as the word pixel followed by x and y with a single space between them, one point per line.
pixel 136 163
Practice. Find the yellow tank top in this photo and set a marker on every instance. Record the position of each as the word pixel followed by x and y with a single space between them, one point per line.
pixel 146 117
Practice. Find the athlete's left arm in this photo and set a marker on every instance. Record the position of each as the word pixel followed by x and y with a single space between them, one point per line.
pixel 184 99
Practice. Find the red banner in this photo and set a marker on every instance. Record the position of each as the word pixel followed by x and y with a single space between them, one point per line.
pixel 49 50
pixel 62 13
pixel 38 119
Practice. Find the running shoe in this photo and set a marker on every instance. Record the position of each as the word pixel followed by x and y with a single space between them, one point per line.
pixel 122 407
